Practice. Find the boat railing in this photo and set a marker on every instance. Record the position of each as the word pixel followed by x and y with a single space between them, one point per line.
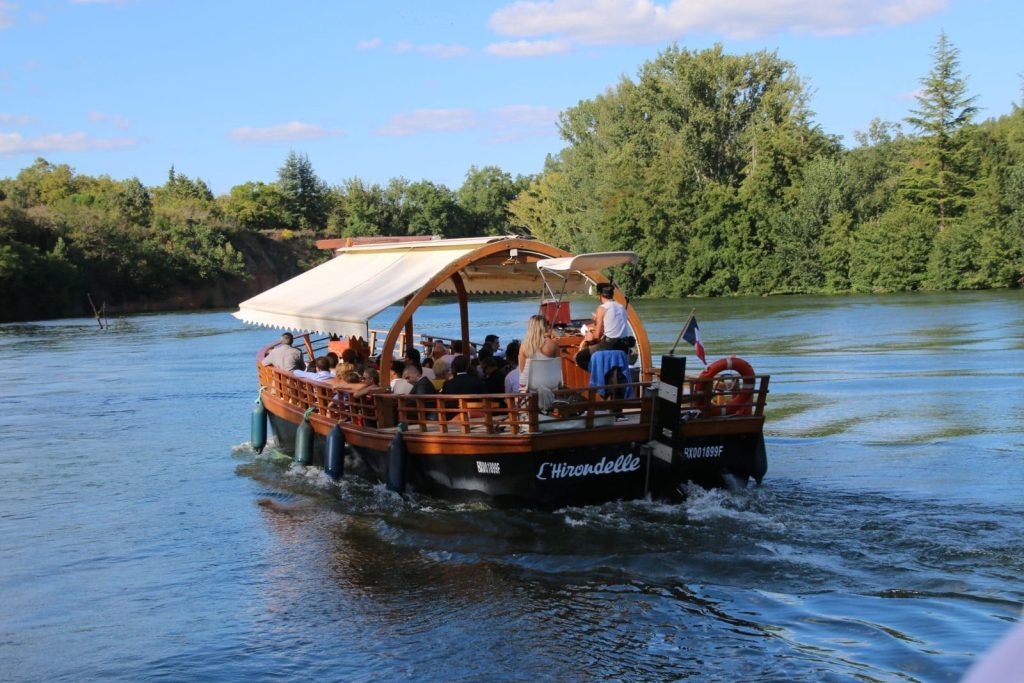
pixel 584 407
pixel 491 414
pixel 515 413
pixel 746 397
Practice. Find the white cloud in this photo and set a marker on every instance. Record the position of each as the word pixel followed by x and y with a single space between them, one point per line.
pixel 96 2
pixel 288 132
pixel 529 48
pixel 498 125
pixel 518 121
pixel 7 14
pixel 15 119
pixel 528 115
pixel 645 21
pixel 437 50
pixel 912 95
pixel 14 143
pixel 429 120
pixel 117 121
pixel 368 44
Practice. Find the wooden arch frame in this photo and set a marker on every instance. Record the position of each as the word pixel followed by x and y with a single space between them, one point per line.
pixel 452 272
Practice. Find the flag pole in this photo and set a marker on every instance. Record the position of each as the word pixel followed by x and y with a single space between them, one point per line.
pixel 680 335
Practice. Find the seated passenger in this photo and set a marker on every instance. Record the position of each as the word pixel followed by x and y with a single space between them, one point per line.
pixel 399 385
pixel 413 374
pixel 586 347
pixel 494 378
pixel 412 354
pixel 321 370
pixel 539 341
pixel 428 368
pixel 284 356
pixel 493 343
pixel 343 370
pixel 439 351
pixel 463 381
pixel 538 344
pixel 350 382
pixel 350 355
pixel 512 376
pixel 456 351
pixel 371 383
pixel 441 374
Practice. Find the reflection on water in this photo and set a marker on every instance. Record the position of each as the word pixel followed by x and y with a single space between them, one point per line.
pixel 885 544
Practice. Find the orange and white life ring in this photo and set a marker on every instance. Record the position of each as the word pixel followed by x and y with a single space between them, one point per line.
pixel 740 403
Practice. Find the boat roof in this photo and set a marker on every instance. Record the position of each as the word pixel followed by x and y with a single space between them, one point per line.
pixel 342 295
pixel 584 262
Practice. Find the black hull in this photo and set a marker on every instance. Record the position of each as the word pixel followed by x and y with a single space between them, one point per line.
pixel 563 476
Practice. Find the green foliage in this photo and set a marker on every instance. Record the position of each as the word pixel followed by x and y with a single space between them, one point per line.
pixel 484 198
pixel 710 167
pixel 432 210
pixel 363 211
pixel 940 176
pixel 64 235
pixel 890 253
pixel 256 206
pixel 134 202
pixel 305 195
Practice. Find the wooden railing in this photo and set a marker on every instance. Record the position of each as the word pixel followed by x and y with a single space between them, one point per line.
pixel 747 398
pixel 512 413
pixel 505 413
pixel 488 414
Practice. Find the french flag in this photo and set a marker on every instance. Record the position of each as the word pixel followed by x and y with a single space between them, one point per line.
pixel 691 333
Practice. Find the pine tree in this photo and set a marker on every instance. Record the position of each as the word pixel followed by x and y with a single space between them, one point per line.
pixel 305 194
pixel 938 179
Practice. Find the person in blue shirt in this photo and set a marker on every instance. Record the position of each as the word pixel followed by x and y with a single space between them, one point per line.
pixel 321 373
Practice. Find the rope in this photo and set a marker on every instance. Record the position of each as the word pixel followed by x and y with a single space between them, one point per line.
pixel 305 415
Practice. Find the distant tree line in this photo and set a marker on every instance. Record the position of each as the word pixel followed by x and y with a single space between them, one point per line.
pixel 709 165
pixel 64 235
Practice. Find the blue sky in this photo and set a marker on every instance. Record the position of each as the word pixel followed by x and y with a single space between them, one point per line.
pixel 223 89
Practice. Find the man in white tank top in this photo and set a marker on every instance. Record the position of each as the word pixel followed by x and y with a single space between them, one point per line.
pixel 610 319
pixel 610 331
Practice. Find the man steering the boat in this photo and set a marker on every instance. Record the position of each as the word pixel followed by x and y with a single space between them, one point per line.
pixel 610 330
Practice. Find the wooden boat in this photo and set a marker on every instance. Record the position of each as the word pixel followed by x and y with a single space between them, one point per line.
pixel 594 442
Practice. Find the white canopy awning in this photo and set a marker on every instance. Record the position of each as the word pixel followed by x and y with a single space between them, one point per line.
pixel 341 296
pixel 584 262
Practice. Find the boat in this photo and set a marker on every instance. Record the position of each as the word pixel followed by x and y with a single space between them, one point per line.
pixel 647 433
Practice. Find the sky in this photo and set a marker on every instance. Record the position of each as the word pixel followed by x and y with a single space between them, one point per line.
pixel 223 90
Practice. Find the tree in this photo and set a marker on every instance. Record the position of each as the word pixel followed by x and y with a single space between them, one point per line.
pixel 432 210
pixel 305 194
pixel 939 179
pixel 485 196
pixel 698 134
pixel 134 202
pixel 364 211
pixel 257 206
pixel 890 253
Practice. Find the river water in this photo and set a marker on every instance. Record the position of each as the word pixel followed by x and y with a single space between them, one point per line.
pixel 141 537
